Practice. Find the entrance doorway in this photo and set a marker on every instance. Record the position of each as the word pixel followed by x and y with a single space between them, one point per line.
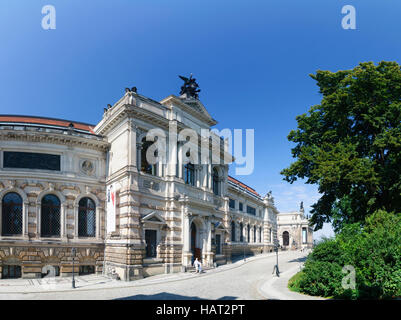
pixel 196 252
pixel 286 238
pixel 218 244
pixel 151 242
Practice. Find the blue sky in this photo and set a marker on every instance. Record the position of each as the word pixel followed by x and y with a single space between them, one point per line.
pixel 251 59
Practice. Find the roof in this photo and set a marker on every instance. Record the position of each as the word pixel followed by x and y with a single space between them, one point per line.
pixel 18 119
pixel 243 185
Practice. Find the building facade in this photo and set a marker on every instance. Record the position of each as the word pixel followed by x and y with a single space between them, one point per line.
pixel 66 185
pixel 294 231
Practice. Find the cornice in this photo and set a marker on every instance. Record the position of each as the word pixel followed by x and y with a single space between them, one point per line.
pixel 54 138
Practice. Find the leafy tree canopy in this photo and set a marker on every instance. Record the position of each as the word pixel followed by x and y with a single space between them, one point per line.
pixel 350 144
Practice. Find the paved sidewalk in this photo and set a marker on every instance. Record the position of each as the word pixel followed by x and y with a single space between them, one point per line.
pixel 98 282
pixel 276 288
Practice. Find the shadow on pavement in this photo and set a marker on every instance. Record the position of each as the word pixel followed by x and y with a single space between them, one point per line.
pixel 303 259
pixel 240 257
pixel 168 296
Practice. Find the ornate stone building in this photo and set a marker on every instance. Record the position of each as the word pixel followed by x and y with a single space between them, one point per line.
pixel 67 185
pixel 294 231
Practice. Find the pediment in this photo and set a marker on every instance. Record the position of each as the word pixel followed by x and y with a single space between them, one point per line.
pixel 192 106
pixel 153 217
pixel 220 227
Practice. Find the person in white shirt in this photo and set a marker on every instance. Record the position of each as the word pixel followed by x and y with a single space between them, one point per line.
pixel 198 266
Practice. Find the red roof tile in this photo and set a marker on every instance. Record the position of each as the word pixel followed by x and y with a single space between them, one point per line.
pixel 47 121
pixel 243 185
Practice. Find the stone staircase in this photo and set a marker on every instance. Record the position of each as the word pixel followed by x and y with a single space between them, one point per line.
pixel 192 269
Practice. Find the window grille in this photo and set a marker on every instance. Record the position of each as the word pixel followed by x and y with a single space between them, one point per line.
pixel 83 270
pixel 12 214
pixel 50 216
pixel 11 272
pixel 86 218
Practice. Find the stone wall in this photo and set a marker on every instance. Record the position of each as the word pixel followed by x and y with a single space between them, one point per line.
pixel 33 258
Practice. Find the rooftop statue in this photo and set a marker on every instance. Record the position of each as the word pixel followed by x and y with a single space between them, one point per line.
pixel 190 88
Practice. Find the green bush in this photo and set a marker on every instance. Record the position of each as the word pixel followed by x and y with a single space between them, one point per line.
pixel 373 250
pixel 293 283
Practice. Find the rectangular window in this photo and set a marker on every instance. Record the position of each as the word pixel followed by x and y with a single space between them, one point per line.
pixel 189 174
pixel 232 203
pixel 251 210
pixel 241 206
pixel 11 272
pixel 304 235
pixel 83 270
pixel 27 160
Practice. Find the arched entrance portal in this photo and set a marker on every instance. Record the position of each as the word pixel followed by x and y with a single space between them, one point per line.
pixel 286 238
pixel 196 252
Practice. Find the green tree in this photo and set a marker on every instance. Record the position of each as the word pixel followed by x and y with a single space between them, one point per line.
pixel 350 144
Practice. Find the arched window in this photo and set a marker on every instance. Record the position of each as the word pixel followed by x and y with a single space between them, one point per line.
pixel 86 218
pixel 215 182
pixel 12 214
pixel 50 216
pixel 145 165
pixel 260 234
pixel 286 238
pixel 189 174
pixel 241 232
pixel 248 238
pixel 233 231
pixel 254 233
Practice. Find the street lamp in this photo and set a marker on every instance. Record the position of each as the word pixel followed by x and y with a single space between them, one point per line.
pixel 73 254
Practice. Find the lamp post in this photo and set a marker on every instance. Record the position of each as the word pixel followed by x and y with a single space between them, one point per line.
pixel 275 269
pixel 73 254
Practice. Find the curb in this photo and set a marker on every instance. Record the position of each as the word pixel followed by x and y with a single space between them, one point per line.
pixel 265 289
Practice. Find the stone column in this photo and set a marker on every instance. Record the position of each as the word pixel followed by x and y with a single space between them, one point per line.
pixel 138 155
pixel 209 176
pixel 180 161
pixel 63 221
pixel 172 147
pixel 208 245
pixel 186 234
pixel 132 145
pixel 25 218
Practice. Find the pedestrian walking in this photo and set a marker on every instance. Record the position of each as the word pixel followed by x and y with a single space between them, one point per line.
pixel 198 266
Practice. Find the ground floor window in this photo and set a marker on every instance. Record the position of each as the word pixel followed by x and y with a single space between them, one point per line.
pixel 11 272
pixel 83 270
